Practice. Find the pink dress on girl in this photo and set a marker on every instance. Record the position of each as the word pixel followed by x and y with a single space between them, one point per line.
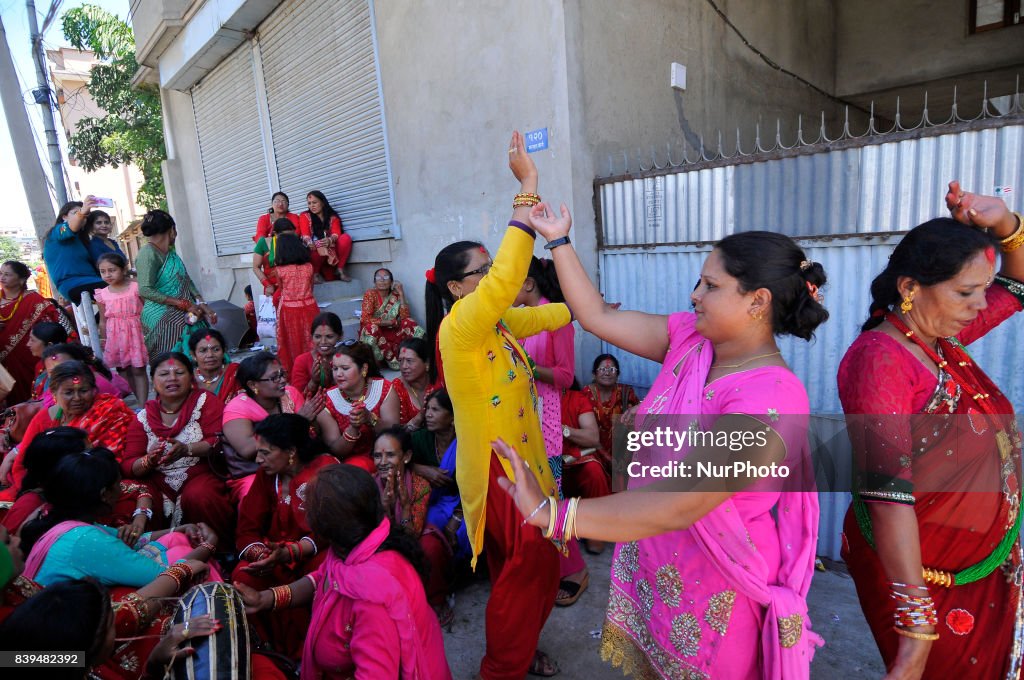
pixel 727 598
pixel 126 345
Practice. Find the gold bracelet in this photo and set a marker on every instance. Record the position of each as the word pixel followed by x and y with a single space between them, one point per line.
pixel 552 518
pixel 1016 239
pixel 937 577
pixel 929 637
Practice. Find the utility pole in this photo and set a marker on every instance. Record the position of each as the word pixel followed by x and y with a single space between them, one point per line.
pixel 23 140
pixel 43 97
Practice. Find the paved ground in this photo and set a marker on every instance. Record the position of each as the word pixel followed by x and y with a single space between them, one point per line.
pixel 572 634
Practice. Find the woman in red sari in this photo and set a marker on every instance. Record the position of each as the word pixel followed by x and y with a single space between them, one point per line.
pixel 106 420
pixel 362 404
pixel 182 425
pixel 214 371
pixel 412 385
pixel 275 544
pixel 312 370
pixel 932 540
pixel 296 308
pixel 385 321
pixel 329 245
pixel 20 310
pixel 609 399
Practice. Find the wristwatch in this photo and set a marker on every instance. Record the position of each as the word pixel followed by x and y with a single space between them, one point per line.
pixel 551 245
pixel 566 432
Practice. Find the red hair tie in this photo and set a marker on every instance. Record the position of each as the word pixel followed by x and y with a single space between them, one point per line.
pixel 813 290
pixel 990 255
pixel 431 277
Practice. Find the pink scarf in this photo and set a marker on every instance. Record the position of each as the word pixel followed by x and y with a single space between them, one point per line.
pixel 786 640
pixel 35 559
pixel 370 576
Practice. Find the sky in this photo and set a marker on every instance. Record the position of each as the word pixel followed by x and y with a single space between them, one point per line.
pixel 15 213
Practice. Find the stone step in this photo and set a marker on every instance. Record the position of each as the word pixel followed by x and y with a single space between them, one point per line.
pixel 336 290
pixel 345 308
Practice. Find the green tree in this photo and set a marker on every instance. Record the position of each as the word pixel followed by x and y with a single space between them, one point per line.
pixel 10 249
pixel 132 130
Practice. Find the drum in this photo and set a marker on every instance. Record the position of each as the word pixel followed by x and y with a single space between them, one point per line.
pixel 226 654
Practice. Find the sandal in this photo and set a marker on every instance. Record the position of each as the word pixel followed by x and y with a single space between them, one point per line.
pixel 543 666
pixel 574 589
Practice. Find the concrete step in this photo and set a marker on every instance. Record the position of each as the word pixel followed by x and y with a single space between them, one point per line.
pixel 345 308
pixel 336 290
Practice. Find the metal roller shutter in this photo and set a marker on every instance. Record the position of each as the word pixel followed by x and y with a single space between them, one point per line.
pixel 227 122
pixel 326 111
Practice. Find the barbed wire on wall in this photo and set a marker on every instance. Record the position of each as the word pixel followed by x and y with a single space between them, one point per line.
pixel 626 163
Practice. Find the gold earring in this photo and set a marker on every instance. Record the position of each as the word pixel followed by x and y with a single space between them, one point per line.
pixel 256 391
pixel 757 315
pixel 908 303
pixel 291 459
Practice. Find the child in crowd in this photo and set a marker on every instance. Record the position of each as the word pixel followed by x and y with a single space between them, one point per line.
pixel 296 308
pixel 121 323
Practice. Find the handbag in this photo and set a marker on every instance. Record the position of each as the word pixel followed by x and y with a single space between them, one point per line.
pixel 266 317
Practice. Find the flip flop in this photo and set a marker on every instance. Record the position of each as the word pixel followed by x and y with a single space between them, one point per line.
pixel 543 666
pixel 574 589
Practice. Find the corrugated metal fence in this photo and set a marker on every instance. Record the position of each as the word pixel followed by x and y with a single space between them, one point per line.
pixel 846 207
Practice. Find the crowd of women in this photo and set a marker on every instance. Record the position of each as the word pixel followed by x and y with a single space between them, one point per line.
pixel 485 444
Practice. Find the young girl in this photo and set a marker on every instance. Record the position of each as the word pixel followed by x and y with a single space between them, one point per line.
pixel 296 307
pixel 121 323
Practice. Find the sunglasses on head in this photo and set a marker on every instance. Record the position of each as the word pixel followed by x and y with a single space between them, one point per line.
pixel 346 343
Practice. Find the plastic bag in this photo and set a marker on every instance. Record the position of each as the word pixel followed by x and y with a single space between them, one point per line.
pixel 266 317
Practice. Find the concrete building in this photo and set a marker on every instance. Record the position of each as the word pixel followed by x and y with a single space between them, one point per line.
pixel 400 112
pixel 69 72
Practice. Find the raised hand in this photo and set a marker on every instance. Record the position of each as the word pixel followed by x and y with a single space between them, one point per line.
pixel 519 162
pixel 985 212
pixel 543 219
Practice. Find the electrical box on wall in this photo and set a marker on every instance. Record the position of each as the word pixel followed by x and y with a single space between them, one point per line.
pixel 678 77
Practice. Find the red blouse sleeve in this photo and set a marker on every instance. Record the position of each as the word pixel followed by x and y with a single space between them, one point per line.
pixel 254 513
pixel 336 226
pixel 135 443
pixel 305 227
pixel 880 387
pixel 262 227
pixel 1002 304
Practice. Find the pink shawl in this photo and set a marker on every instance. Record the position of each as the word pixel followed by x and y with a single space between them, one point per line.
pixel 680 589
pixel 377 577
pixel 35 559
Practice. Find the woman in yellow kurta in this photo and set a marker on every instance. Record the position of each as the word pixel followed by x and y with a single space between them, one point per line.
pixel 490 381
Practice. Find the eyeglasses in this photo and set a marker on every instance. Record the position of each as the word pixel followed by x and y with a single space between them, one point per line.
pixel 482 271
pixel 381 278
pixel 607 370
pixel 276 377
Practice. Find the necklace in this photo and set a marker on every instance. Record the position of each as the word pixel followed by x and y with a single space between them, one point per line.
pixel 361 398
pixel 210 381
pixel 17 303
pixel 744 363
pixel 417 400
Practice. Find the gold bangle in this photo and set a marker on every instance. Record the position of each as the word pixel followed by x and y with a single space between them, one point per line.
pixel 552 518
pixel 1016 239
pixel 929 637
pixel 937 577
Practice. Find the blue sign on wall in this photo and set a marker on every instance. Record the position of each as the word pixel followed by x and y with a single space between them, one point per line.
pixel 536 140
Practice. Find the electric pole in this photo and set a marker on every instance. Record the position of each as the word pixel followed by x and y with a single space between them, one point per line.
pixel 43 97
pixel 23 141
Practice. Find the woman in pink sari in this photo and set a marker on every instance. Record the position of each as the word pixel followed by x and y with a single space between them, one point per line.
pixel 707 585
pixel 370 614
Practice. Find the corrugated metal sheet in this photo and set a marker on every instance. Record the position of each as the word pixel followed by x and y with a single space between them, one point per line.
pixel 873 188
pixel 858 192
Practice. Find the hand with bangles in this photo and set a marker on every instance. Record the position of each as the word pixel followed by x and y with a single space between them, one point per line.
pixel 170 648
pixel 267 557
pixel 130 533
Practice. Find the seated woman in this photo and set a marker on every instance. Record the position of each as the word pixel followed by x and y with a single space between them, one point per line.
pixel 610 400
pixel 278 209
pixel 362 404
pixel 433 458
pixel 107 382
pixel 67 543
pixel 411 385
pixel 405 496
pixel 130 514
pixel 214 371
pixel 370 614
pixel 265 391
pixel 97 231
pixel 182 425
pixel 311 371
pixel 21 309
pixel 584 471
pixel 105 419
pixel 43 335
pixel 385 322
pixel 320 227
pixel 275 544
